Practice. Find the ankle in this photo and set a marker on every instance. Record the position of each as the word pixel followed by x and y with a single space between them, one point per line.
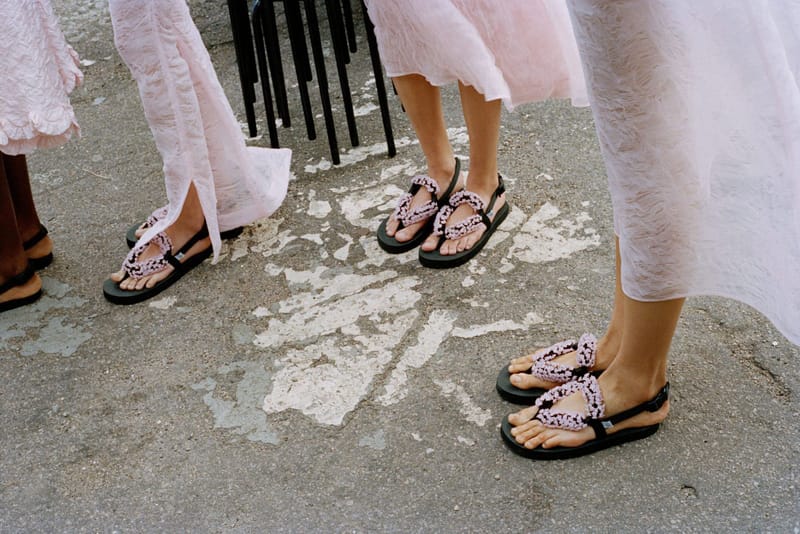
pixel 442 171
pixel 607 347
pixel 482 184
pixel 631 385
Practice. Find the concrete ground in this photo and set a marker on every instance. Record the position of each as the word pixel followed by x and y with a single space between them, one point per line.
pixel 310 383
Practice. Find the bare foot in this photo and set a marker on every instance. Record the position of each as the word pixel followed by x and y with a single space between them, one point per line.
pixel 618 396
pixel 443 177
pixel 180 234
pixel 462 212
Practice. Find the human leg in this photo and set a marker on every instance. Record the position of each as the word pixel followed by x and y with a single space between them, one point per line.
pixel 636 375
pixel 38 246
pixel 422 102
pixel 146 37
pixel 18 284
pixel 482 118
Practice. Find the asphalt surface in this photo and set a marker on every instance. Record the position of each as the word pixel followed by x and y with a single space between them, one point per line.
pixel 310 383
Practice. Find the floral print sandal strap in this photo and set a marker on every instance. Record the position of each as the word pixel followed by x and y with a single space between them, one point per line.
pixel 410 216
pixel 546 369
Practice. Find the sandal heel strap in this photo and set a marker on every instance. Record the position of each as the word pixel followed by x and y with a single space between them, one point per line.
pixel 174 259
pixel 653 405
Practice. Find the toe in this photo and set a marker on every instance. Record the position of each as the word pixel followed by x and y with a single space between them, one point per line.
pixel 429 245
pixel 523 416
pixel 525 381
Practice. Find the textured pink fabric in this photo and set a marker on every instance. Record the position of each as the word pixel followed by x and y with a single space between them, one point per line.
pixel 697 107
pixel 515 50
pixel 38 70
pixel 194 127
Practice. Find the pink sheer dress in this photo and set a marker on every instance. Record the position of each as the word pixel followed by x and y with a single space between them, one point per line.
pixel 195 130
pixel 514 50
pixel 697 107
pixel 38 71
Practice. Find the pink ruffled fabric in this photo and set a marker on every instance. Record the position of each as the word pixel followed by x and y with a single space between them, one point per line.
pixel 39 71
pixel 515 50
pixel 194 127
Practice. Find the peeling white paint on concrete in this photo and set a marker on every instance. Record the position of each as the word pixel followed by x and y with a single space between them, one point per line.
pixel 314 238
pixel 366 109
pixel 343 252
pixel 468 282
pixel 356 154
pixel 474 413
pixel 326 380
pixel 319 319
pixel 56 338
pixel 47 332
pixel 164 303
pixel 319 209
pixel 505 325
pixel 432 335
pixel 539 242
pixel 242 415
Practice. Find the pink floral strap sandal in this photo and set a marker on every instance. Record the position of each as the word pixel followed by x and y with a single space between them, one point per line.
pixel 595 418
pixel 159 214
pixel 407 216
pixel 485 218
pixel 134 268
pixel 544 368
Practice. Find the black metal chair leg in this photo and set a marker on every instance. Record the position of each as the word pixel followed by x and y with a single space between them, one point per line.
pixel 261 46
pixel 294 21
pixel 379 85
pixel 322 78
pixel 241 42
pixel 342 57
pixel 351 28
pixel 270 27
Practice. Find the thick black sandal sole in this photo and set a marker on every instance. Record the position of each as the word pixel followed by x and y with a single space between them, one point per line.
pixel 565 453
pixel 16 303
pixel 434 260
pixel 393 246
pixel 115 295
pixel 511 393
pixel 131 239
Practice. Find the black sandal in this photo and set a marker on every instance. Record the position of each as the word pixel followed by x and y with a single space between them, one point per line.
pixel 408 217
pixel 16 281
pixel 574 421
pixel 38 263
pixel 136 269
pixel 160 213
pixel 434 259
